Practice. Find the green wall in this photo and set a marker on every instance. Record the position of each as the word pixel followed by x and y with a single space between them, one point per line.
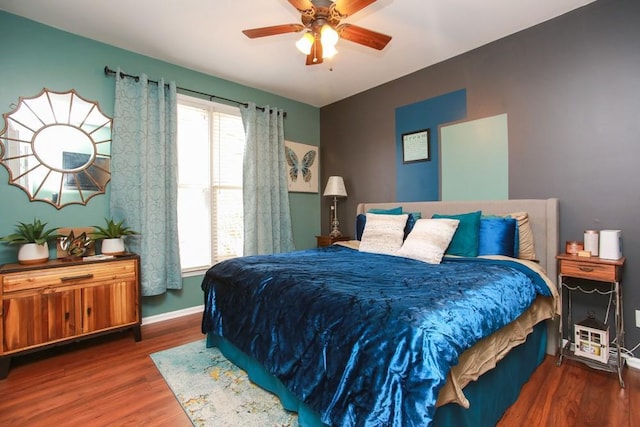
pixel 37 56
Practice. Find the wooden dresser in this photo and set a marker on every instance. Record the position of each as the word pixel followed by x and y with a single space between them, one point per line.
pixel 60 301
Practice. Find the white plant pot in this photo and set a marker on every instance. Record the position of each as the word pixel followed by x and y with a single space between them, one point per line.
pixel 32 253
pixel 113 246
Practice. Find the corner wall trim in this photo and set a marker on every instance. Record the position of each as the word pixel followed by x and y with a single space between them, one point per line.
pixel 172 315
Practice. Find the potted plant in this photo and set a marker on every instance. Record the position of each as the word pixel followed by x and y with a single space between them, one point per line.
pixel 33 238
pixel 112 236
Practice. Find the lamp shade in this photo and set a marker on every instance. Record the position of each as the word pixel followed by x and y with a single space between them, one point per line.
pixel 335 187
pixel 305 43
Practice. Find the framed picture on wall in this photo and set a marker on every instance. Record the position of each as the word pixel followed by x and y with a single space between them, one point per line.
pixel 302 167
pixel 415 146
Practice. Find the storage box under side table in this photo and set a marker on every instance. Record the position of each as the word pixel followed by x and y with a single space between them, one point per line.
pixel 597 270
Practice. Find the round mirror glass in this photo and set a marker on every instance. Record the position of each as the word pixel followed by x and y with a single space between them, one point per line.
pixel 51 142
pixel 57 148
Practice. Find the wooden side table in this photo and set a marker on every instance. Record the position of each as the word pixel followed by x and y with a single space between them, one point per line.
pixel 328 240
pixel 599 270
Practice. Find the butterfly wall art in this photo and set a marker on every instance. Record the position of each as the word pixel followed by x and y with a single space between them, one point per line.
pixel 302 167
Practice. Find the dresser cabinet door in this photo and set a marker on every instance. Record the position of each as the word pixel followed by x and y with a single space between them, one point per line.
pixel 110 305
pixel 35 318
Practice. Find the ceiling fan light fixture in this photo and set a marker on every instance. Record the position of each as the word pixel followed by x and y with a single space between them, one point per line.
pixel 305 43
pixel 328 52
pixel 328 36
pixel 321 28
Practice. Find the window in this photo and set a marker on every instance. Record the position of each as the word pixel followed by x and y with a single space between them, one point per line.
pixel 210 150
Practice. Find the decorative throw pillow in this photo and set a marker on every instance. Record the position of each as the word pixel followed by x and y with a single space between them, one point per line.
pixel 465 241
pixel 498 236
pixel 429 239
pixel 361 221
pixel 527 249
pixel 411 222
pixel 383 234
pixel 392 211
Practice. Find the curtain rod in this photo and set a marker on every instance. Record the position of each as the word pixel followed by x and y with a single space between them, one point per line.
pixel 109 72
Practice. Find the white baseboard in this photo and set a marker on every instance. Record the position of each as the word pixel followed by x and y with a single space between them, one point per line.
pixel 172 315
pixel 632 362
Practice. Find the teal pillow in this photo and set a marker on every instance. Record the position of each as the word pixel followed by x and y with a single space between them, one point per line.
pixel 465 241
pixel 392 211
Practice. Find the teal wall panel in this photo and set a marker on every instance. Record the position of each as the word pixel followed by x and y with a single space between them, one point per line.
pixel 475 160
pixel 37 56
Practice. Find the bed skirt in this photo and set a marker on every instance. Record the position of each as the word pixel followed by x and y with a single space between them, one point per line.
pixel 486 409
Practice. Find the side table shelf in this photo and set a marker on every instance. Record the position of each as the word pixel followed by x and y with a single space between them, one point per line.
pixel 602 272
pixel 568 353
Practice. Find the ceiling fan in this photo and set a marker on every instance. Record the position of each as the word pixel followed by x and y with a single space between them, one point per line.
pixel 322 28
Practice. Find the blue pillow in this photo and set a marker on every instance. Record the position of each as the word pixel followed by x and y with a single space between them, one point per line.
pixel 498 236
pixel 361 221
pixel 465 241
pixel 411 221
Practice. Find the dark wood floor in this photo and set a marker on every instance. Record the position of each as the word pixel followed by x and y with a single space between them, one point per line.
pixel 112 381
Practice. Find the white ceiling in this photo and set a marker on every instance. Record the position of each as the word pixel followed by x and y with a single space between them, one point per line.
pixel 205 35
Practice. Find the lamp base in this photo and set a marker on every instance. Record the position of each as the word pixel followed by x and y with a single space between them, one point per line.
pixel 335 233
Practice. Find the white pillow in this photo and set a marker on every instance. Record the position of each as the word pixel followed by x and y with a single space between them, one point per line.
pixel 429 239
pixel 383 234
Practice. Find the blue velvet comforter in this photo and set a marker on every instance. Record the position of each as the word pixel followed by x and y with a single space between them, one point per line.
pixel 364 339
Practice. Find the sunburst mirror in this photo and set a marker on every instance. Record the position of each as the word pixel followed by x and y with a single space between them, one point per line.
pixel 57 148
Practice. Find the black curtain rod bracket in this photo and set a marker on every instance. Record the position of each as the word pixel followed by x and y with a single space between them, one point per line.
pixel 109 72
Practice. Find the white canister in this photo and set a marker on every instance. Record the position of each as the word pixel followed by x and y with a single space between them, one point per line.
pixel 591 238
pixel 610 244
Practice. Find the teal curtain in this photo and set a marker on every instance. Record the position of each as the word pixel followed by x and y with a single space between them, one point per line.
pixel 267 216
pixel 144 174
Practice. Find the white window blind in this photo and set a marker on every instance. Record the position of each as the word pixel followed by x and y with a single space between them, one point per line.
pixel 210 151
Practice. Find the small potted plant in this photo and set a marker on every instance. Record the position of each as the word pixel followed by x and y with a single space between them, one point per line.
pixel 112 236
pixel 33 240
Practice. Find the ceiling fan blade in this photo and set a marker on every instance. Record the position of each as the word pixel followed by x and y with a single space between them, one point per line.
pixel 301 4
pixel 349 7
pixel 315 56
pixel 363 36
pixel 273 30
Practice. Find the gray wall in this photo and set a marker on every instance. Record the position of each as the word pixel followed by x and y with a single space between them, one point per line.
pixel 571 89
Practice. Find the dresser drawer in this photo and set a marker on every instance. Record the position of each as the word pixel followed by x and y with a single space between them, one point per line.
pixel 589 270
pixel 95 272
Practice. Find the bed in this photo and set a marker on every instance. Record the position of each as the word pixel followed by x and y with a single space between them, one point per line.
pixel 351 337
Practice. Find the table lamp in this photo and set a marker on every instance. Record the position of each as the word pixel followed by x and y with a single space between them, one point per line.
pixel 335 188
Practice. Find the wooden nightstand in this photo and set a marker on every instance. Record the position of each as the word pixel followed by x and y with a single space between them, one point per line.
pixel 328 240
pixel 601 271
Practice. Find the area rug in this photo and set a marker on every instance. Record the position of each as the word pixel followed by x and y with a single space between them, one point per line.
pixel 215 392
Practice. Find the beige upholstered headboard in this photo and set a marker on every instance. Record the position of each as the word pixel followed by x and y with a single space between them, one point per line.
pixel 543 216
